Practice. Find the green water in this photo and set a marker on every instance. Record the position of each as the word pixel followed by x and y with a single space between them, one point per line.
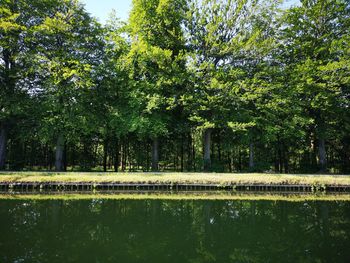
pixel 174 231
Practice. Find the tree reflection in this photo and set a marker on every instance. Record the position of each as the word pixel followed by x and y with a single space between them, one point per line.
pixel 174 231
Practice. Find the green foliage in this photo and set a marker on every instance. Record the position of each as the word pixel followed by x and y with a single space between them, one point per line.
pixel 270 84
pixel 156 60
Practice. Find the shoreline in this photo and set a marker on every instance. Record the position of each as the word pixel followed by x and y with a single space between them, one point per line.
pixel 24 181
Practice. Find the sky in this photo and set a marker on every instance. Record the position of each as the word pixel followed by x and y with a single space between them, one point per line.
pixel 102 8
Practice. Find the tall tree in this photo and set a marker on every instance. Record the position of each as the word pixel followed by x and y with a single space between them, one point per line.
pixel 69 48
pixel 108 101
pixel 158 62
pixel 219 33
pixel 312 36
pixel 18 80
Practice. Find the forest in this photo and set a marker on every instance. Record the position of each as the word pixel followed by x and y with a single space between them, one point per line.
pixel 183 85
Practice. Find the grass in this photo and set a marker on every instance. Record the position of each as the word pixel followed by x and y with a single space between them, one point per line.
pixel 180 196
pixel 174 178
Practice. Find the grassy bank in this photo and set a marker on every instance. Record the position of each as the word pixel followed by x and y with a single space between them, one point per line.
pixel 174 178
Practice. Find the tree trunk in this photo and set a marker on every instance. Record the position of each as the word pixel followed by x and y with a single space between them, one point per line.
pixel 72 157
pixel 322 155
pixel 345 154
pixel 105 155
pixel 59 165
pixel 207 142
pixel 182 154
pixel 116 157
pixel 285 160
pixel 251 156
pixel 189 153
pixel 280 161
pixel 229 161
pixel 276 160
pixel 3 143
pixel 313 152
pixel 147 157
pixel 239 159
pixel 194 156
pixel 128 156
pixel 219 147
pixel 155 154
pixel 123 156
pixel 65 159
pixel 47 154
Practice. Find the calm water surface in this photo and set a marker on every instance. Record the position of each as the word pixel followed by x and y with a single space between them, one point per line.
pixel 174 231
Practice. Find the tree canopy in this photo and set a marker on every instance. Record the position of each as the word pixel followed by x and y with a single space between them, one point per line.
pixel 184 85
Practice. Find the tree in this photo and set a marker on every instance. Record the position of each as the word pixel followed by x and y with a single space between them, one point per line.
pixel 250 84
pixel 312 33
pixel 220 34
pixel 18 80
pixel 157 60
pixel 108 101
pixel 69 48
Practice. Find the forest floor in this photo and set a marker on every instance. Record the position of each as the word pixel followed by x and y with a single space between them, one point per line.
pixel 175 178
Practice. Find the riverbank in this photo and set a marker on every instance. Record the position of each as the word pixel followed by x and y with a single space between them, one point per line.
pixel 175 178
pixel 172 181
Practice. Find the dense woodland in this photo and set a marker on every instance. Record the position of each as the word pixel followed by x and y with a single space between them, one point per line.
pixel 183 85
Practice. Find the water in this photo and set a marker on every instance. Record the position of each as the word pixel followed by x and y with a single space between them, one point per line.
pixel 100 230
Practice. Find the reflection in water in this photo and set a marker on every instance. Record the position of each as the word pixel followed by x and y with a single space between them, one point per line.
pixel 174 231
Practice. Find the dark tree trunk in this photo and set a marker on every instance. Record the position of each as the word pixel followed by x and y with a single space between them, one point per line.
pixel 138 156
pixel 124 157
pixel 142 156
pixel 59 162
pixel 313 152
pixel 147 157
pixel 72 157
pixel 276 160
pixel 207 143
pixel 251 156
pixel 194 157
pixel 65 159
pixel 285 160
pixel 189 153
pixel 345 155
pixel 155 154
pixel 47 154
pixel 116 157
pixel 219 147
pixel 322 155
pixel 51 160
pixel 280 159
pixel 239 159
pixel 105 155
pixel 229 161
pixel 3 145
pixel 182 154
pixel 128 156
